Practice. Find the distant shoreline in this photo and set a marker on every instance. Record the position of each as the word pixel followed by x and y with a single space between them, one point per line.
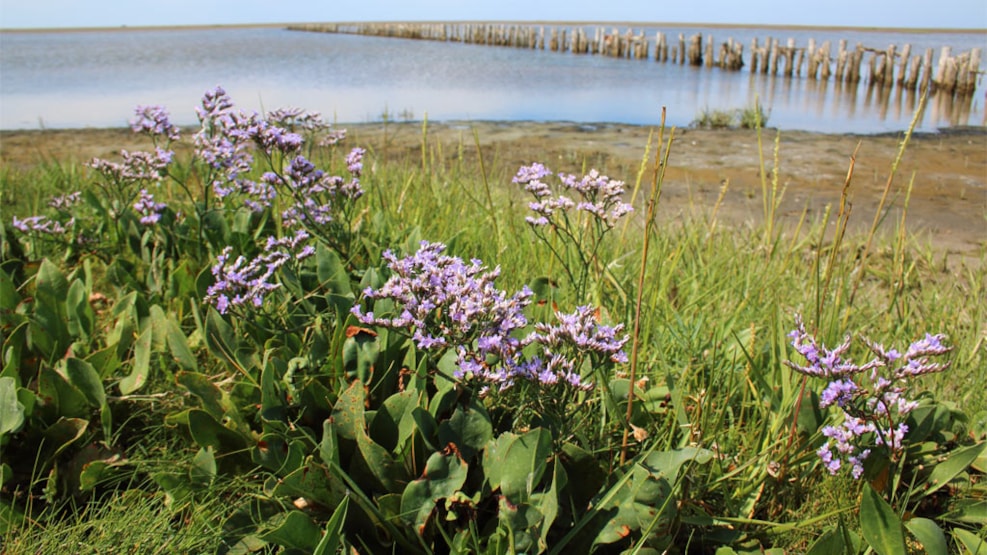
pixel 901 30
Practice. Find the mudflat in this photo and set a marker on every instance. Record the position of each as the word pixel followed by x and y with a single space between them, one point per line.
pixel 946 171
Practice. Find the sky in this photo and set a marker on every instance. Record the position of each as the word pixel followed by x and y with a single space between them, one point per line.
pixel 965 14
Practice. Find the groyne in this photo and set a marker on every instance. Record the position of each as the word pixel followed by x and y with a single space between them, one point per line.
pixel 885 67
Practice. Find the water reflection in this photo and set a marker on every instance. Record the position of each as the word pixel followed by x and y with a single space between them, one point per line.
pixel 95 79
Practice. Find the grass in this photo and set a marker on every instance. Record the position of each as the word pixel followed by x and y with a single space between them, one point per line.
pixel 712 305
pixel 752 117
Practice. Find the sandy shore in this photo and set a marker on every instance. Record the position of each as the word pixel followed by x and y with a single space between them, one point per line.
pixel 947 210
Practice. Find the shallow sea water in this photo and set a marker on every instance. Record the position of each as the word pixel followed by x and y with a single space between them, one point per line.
pixel 95 79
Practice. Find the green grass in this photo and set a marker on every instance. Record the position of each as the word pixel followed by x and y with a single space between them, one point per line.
pixel 716 304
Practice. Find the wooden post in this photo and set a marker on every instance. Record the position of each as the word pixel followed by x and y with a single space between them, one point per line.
pixel 774 56
pixel 944 56
pixel 888 77
pixel 927 71
pixel 906 53
pixel 696 50
pixel 708 54
pixel 813 66
pixel 974 67
pixel 754 55
pixel 789 56
pixel 824 60
pixel 681 48
pixel 841 61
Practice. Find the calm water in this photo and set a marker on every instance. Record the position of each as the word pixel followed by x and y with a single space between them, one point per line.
pixel 94 79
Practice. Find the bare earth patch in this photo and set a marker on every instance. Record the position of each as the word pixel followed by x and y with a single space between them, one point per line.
pixel 948 170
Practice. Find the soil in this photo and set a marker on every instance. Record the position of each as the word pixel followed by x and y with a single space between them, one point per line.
pixel 947 170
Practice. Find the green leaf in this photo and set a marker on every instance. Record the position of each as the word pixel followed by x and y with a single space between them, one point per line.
pixel 333 531
pixel 178 346
pixel 389 472
pixel 515 464
pixel 11 409
pixel 295 530
pixel 929 534
pixel 141 365
pixel 469 429
pixel 347 414
pixel 830 543
pixel 78 312
pixel 209 396
pixel 974 544
pixel 955 463
pixel 207 432
pixel 60 398
pixel 315 483
pixel 880 525
pixel 969 510
pixel 331 271
pixel 203 470
pixel 443 476
pixel 83 376
pixel 62 434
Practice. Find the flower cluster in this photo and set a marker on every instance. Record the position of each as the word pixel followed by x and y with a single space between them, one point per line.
pixel 242 283
pixel 317 194
pixel 445 302
pixel 43 225
pixel 225 142
pixel 153 121
pixel 871 396
pixel 64 202
pixel 598 195
pixel 297 118
pixel 149 210
pixel 136 166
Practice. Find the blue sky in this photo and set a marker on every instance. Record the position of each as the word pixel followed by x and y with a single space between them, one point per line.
pixel 861 13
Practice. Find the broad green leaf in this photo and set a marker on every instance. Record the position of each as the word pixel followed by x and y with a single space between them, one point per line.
pixel 955 463
pixel 515 464
pixel 209 396
pixel 11 409
pixel 50 281
pixel 347 414
pixel 63 433
pixel 331 271
pixel 469 429
pixel 969 510
pixel 393 424
pixel 79 314
pixel 443 476
pixel 880 525
pixel 294 530
pixel 929 534
pixel 315 483
pixel 974 544
pixel 9 297
pixel 333 531
pixel 830 543
pixel 388 471
pixel 669 463
pixel 60 398
pixel 207 432
pixel 203 470
pixel 178 346
pixel 83 376
pixel 141 364
pixel 91 474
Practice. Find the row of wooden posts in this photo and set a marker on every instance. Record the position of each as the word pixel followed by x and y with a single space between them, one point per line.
pixel 954 74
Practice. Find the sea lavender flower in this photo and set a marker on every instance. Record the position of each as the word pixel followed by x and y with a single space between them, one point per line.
pixel 136 166
pixel 871 397
pixel 43 225
pixel 64 202
pixel 245 283
pixel 601 196
pixel 296 118
pixel 354 161
pixel 443 301
pixel 153 121
pixel 149 210
pixel 333 138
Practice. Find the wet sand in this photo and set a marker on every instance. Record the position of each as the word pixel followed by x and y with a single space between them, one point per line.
pixel 948 169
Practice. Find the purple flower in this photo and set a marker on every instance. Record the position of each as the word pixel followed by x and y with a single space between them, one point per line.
pixel 871 397
pixel 149 210
pixel 354 161
pixel 64 202
pixel 153 121
pixel 245 282
pixel 43 225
